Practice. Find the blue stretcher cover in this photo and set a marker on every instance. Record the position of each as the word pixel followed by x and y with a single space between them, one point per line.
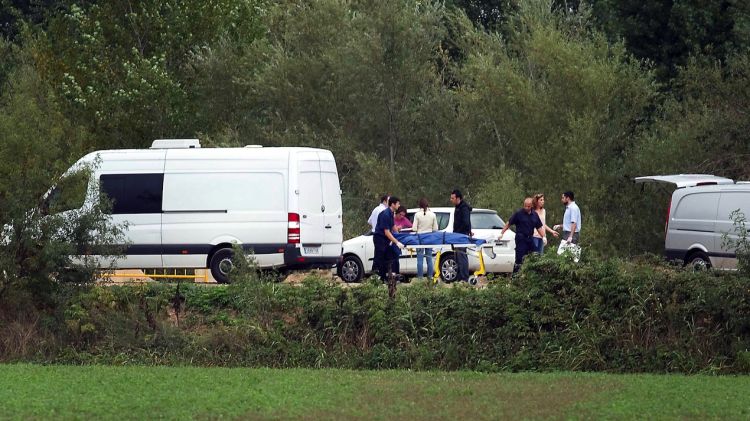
pixel 436 238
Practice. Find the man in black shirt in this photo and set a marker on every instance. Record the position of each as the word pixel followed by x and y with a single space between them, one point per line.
pixel 461 225
pixel 526 221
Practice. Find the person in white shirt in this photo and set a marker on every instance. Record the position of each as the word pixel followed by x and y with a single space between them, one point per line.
pixel 424 221
pixel 373 220
pixel 571 225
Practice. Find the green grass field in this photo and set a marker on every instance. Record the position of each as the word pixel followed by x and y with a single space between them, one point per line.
pixel 43 392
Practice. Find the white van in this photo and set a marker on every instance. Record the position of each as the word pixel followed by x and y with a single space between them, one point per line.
pixel 186 206
pixel 698 217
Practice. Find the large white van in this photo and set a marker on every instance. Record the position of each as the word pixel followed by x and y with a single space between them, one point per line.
pixel 185 206
pixel 698 217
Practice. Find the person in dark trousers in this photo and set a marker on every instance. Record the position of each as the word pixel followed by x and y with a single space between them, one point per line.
pixel 526 221
pixel 461 225
pixel 382 239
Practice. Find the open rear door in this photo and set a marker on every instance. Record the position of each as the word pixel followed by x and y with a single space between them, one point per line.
pixel 684 180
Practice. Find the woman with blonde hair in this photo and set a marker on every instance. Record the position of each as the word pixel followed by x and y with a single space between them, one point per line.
pixel 539 241
pixel 424 221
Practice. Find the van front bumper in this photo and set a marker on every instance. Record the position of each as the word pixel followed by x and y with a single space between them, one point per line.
pixel 293 259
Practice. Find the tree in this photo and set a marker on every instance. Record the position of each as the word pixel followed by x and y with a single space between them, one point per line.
pixel 121 62
pixel 37 245
pixel 668 33
pixel 363 79
pixel 560 106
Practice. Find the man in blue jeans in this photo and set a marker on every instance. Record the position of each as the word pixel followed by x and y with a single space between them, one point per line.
pixel 461 225
pixel 526 221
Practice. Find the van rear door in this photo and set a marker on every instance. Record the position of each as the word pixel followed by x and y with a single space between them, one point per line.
pixel 311 208
pixel 731 199
pixel 684 180
pixel 332 208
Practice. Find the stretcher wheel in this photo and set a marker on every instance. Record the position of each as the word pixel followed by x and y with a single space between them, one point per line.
pixel 473 280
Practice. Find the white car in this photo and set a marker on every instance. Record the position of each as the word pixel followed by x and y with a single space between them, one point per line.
pixel 498 255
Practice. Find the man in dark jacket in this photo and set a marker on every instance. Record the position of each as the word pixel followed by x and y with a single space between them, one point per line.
pixel 526 221
pixel 461 225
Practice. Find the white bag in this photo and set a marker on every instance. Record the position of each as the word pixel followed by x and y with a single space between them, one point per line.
pixel 573 249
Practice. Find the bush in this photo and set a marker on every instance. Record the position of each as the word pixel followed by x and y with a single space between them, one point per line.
pixel 599 315
pixel 738 241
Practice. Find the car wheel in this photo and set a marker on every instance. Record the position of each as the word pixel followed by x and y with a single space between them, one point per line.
pixel 221 265
pixel 351 269
pixel 448 268
pixel 699 261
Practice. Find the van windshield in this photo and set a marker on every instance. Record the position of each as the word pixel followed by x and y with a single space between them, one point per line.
pixel 68 194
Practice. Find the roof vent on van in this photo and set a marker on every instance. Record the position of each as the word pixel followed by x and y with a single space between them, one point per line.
pixel 253 146
pixel 176 144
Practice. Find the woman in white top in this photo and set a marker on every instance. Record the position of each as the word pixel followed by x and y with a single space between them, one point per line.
pixel 539 241
pixel 424 221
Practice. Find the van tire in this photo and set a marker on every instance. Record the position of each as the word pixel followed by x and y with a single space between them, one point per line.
pixel 698 261
pixel 448 268
pixel 350 269
pixel 221 265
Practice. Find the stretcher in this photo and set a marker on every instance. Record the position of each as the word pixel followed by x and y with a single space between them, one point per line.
pixel 471 249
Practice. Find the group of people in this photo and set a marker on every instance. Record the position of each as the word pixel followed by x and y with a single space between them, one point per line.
pixel 531 225
pixel 390 217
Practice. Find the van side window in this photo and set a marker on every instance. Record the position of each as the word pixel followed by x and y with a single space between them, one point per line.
pixel 697 206
pixel 731 201
pixel 133 193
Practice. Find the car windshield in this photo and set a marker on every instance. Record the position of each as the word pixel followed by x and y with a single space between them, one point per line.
pixel 486 221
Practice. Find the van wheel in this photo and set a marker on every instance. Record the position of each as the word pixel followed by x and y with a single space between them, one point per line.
pixel 221 265
pixel 350 269
pixel 699 261
pixel 448 268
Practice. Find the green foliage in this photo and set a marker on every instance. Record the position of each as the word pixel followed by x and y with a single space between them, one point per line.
pixel 557 106
pixel 504 191
pixel 502 99
pixel 668 33
pixel 116 63
pixel 35 391
pixel 38 245
pixel 738 241
pixel 598 315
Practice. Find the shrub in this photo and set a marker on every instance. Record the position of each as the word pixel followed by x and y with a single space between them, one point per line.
pixel 599 315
